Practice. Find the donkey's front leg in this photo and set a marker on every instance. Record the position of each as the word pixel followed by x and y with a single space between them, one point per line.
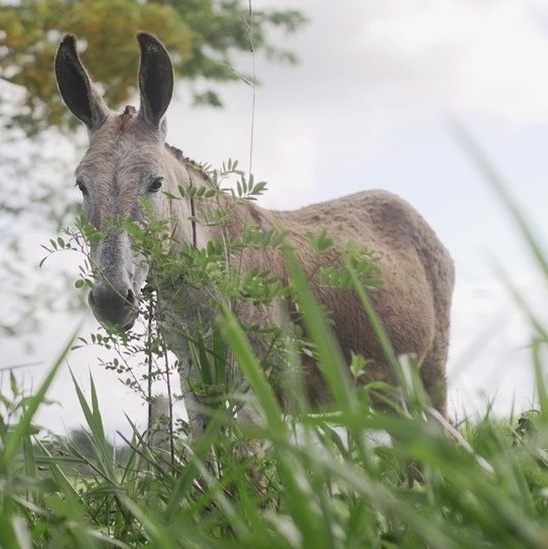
pixel 196 410
pixel 179 328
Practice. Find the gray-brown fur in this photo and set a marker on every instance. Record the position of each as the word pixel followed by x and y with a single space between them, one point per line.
pixel 128 158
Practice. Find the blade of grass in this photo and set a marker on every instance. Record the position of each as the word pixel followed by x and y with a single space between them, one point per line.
pixel 331 361
pixel 14 438
pixel 380 332
pixel 154 527
pixel 95 423
pixel 300 497
pixel 521 302
pixel 189 473
pixel 373 490
pixel 500 186
pixel 540 382
pixel 251 368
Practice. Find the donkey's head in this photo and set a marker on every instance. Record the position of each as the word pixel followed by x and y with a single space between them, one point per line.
pixel 124 165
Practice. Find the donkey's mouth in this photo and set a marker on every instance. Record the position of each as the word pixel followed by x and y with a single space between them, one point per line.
pixel 114 310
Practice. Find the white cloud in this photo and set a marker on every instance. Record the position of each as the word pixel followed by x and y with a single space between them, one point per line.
pixel 488 56
pixel 369 72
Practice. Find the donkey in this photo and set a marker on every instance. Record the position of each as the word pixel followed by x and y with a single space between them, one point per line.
pixel 128 164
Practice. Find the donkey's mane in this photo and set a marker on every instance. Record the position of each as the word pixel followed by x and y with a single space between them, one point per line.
pixel 189 162
pixel 126 118
pixel 177 153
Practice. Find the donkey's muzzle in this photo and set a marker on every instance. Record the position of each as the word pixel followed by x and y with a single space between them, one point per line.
pixel 113 305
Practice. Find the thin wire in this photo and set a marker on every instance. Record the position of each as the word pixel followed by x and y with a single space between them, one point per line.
pixel 249 29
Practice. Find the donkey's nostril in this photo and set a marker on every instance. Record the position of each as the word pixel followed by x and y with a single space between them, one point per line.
pixel 130 296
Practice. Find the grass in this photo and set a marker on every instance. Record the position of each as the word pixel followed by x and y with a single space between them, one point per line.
pixel 333 488
pixel 322 482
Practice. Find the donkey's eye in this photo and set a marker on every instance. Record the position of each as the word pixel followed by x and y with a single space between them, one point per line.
pixel 156 185
pixel 82 186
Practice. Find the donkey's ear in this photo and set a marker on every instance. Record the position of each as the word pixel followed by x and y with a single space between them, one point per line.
pixel 75 86
pixel 155 79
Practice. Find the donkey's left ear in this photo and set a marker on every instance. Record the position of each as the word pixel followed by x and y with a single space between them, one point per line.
pixel 155 79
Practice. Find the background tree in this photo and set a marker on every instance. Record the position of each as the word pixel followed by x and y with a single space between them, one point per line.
pixel 203 37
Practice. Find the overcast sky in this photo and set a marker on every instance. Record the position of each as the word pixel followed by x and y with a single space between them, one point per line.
pixel 369 107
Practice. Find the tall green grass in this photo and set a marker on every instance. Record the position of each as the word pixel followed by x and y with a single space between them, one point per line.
pixel 323 481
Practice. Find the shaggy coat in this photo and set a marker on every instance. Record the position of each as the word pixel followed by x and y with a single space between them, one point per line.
pixel 128 160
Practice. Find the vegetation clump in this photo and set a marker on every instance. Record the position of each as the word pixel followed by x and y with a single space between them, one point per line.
pixel 323 480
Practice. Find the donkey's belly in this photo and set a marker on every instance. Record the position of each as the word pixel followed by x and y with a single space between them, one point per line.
pixel 405 307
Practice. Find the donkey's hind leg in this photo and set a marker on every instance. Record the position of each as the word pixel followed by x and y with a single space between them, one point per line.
pixel 433 374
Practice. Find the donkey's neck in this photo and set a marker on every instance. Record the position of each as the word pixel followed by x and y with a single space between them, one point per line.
pixel 201 219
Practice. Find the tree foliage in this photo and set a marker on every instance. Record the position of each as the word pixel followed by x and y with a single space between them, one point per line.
pixel 203 37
